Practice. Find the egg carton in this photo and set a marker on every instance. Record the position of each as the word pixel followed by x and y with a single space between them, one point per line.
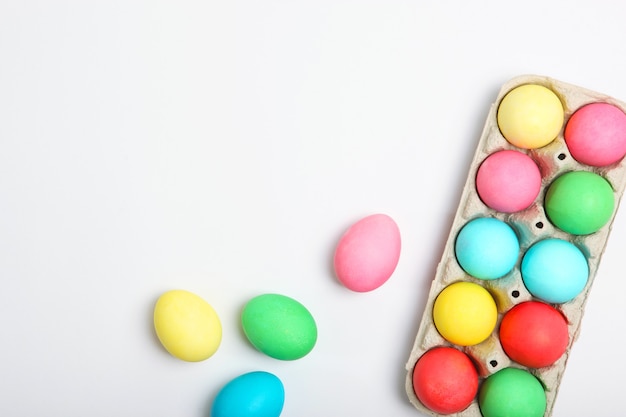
pixel 531 225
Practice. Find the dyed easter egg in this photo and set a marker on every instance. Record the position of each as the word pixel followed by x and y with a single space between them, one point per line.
pixel 512 392
pixel 487 248
pixel 187 326
pixel 530 116
pixel 580 202
pixel 279 326
pixel 508 181
pixel 368 253
pixel 554 270
pixel 534 334
pixel 596 134
pixel 254 394
pixel 445 380
pixel 465 313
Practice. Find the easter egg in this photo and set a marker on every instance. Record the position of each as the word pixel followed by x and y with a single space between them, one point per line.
pixel 279 326
pixel 554 270
pixel 534 334
pixel 596 134
pixel 368 252
pixel 187 326
pixel 512 392
pixel 487 248
pixel 508 181
pixel 465 313
pixel 579 202
pixel 253 394
pixel 445 380
pixel 530 116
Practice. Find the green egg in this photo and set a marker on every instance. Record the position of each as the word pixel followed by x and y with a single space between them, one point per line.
pixel 512 392
pixel 279 326
pixel 580 202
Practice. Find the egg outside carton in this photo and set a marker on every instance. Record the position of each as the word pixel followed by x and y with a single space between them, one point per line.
pixel 531 225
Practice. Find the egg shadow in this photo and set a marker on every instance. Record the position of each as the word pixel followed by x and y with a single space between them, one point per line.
pixel 330 258
pixel 149 320
pixel 212 394
pixel 240 330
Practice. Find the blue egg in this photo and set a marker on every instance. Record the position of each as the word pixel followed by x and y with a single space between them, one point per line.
pixel 254 394
pixel 487 248
pixel 554 270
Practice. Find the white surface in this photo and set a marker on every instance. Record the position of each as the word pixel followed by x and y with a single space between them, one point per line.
pixel 223 147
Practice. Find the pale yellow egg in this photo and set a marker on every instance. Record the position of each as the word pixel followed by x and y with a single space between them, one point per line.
pixel 530 116
pixel 187 326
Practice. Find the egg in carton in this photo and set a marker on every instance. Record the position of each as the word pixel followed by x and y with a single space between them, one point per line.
pixel 503 336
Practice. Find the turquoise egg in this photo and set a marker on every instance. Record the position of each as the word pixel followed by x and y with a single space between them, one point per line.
pixel 487 248
pixel 254 394
pixel 554 270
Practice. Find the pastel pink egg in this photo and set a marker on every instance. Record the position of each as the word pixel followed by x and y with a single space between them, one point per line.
pixel 368 252
pixel 596 134
pixel 508 181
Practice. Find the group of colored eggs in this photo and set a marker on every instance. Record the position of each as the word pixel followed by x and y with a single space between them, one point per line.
pixel 533 333
pixel 279 326
pixel 554 270
pixel 189 329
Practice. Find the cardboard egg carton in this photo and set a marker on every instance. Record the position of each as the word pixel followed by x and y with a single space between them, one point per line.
pixel 531 225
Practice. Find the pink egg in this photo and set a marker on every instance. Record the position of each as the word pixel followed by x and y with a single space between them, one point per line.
pixel 368 253
pixel 508 181
pixel 596 134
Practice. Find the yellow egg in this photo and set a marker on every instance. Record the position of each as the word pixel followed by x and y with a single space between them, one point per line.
pixel 465 313
pixel 530 116
pixel 187 326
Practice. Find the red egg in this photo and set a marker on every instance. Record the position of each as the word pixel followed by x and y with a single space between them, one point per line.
pixel 445 380
pixel 534 334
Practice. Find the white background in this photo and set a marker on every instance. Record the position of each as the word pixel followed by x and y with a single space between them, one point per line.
pixel 223 147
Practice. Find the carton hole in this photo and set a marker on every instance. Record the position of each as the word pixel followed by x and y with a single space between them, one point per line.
pixel 539 225
pixel 561 156
pixel 493 363
pixel 515 293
